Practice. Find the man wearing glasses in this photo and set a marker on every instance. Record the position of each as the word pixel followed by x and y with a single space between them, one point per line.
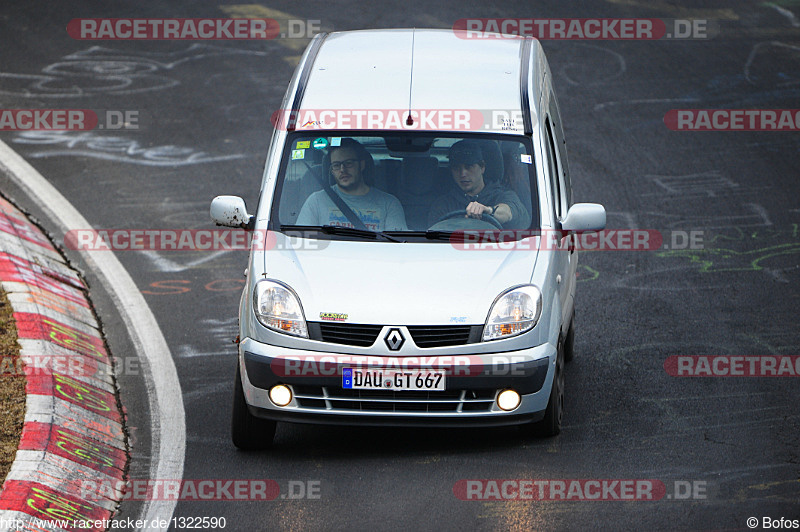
pixel 378 210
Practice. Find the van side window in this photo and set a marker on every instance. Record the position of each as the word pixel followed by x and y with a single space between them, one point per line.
pixel 553 172
pixel 560 149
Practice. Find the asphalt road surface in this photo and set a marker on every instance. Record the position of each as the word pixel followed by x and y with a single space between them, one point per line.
pixel 203 130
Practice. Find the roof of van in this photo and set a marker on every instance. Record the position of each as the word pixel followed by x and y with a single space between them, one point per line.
pixel 372 70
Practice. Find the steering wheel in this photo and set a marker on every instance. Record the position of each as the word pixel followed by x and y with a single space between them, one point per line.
pixel 488 218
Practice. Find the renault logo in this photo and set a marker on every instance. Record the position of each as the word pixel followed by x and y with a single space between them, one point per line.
pixel 394 339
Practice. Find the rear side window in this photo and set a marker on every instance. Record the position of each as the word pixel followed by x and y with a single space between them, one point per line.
pixel 554 172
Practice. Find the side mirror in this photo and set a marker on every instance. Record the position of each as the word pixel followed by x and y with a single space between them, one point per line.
pixel 585 217
pixel 229 211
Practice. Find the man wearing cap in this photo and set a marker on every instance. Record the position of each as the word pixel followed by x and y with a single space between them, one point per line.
pixel 473 195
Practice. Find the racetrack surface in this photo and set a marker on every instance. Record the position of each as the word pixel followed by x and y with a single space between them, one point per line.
pixel 626 417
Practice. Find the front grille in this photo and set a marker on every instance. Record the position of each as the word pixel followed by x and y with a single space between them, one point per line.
pixel 346 333
pixel 443 335
pixel 361 335
pixel 338 399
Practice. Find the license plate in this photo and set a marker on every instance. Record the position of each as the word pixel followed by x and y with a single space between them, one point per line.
pixel 380 379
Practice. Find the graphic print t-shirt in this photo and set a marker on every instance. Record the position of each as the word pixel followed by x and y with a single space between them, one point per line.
pixel 378 210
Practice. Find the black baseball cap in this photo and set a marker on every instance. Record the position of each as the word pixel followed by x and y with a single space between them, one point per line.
pixel 465 152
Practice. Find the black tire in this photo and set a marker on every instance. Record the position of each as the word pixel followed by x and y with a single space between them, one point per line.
pixel 569 341
pixel 248 432
pixel 551 424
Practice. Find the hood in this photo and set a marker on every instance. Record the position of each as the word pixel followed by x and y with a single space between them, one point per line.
pixel 396 284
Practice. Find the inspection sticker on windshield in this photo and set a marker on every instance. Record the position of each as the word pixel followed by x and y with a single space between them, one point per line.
pixel 396 380
pixel 320 143
pixel 303 144
pixel 298 154
pixel 526 158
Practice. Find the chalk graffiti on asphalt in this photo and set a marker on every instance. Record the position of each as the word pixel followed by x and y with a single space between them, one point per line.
pixel 119 149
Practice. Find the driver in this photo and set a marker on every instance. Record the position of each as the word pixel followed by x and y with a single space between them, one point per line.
pixel 473 195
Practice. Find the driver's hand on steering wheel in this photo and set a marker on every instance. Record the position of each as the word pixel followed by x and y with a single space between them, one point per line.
pixel 476 210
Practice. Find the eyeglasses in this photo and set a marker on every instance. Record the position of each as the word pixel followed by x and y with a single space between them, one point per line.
pixel 347 163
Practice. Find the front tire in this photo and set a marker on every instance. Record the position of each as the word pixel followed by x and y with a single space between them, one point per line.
pixel 248 432
pixel 569 342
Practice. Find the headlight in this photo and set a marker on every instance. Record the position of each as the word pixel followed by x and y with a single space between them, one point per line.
pixel 514 312
pixel 278 308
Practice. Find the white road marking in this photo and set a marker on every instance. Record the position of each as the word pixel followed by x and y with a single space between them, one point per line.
pixel 786 13
pixel 168 265
pixel 168 421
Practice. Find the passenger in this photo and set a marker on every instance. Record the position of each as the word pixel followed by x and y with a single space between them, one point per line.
pixel 474 195
pixel 378 210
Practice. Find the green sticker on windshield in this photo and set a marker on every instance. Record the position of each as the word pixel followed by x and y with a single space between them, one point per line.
pixel 320 143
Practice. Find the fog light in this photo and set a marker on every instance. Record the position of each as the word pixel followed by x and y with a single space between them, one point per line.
pixel 280 395
pixel 508 400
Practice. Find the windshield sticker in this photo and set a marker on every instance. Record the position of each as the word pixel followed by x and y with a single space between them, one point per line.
pixel 303 144
pixel 298 154
pixel 332 316
pixel 320 143
pixel 336 141
pixel 526 158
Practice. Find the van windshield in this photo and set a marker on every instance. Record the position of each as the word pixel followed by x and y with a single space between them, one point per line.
pixel 404 184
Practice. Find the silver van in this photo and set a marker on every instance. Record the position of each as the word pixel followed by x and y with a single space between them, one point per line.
pixel 413 264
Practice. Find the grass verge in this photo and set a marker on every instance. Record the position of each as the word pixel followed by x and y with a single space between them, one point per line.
pixel 12 388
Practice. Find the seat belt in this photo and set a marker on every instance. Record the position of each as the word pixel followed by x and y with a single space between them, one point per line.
pixel 351 216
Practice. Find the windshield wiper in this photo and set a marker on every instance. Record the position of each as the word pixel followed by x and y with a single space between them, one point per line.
pixel 339 230
pixel 439 235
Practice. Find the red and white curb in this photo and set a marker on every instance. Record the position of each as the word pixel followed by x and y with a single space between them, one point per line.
pixel 72 435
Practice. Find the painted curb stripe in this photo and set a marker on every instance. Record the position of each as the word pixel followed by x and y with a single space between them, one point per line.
pixel 16 274
pixel 68 389
pixel 166 411
pixel 43 358
pixel 53 463
pixel 39 500
pixel 38 327
pixel 23 229
pixel 66 476
pixel 75 418
pixel 52 269
pixel 42 302
pixel 73 446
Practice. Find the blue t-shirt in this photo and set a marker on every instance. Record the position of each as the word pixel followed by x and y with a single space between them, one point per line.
pixel 378 210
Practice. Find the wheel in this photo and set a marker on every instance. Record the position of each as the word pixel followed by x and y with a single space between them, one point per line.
pixel 551 424
pixel 484 217
pixel 248 432
pixel 569 342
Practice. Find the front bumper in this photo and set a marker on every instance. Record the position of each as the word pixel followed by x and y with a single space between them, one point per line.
pixel 468 401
